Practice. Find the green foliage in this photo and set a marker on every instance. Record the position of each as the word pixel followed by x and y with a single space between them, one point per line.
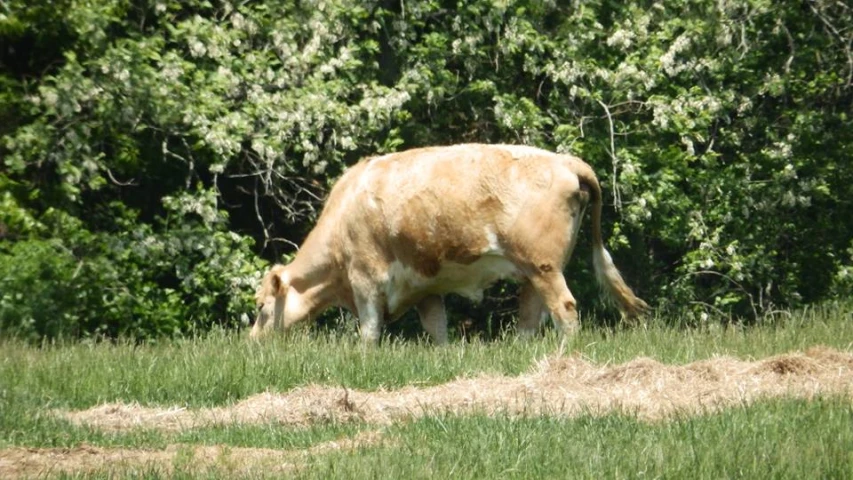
pixel 141 281
pixel 721 132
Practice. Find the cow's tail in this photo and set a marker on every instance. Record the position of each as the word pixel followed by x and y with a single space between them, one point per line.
pixel 270 298
pixel 606 273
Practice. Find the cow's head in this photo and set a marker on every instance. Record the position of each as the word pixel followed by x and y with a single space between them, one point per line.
pixel 270 299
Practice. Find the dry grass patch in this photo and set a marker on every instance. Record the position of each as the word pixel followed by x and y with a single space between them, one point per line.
pixel 231 461
pixel 564 385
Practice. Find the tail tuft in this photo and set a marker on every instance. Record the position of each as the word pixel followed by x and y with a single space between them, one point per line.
pixel 614 286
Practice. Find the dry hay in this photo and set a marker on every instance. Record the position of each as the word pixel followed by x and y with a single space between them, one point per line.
pixel 563 386
pixel 556 386
pixel 235 461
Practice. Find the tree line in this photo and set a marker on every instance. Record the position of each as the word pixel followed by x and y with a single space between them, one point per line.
pixel 158 154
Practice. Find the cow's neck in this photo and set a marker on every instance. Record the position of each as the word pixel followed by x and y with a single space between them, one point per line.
pixel 314 275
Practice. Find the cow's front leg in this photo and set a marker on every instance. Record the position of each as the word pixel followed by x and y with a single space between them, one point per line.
pixel 551 286
pixel 531 310
pixel 434 318
pixel 370 318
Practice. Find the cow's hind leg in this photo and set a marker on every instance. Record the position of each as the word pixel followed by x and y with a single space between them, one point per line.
pixel 531 310
pixel 555 293
pixel 434 318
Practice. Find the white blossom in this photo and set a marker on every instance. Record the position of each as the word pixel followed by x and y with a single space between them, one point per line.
pixel 171 72
pixel 688 144
pixel 50 97
pixel 197 49
pixel 667 60
pixel 621 38
pixel 238 21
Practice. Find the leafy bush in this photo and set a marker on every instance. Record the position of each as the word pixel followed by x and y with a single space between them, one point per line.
pixel 184 275
pixel 720 131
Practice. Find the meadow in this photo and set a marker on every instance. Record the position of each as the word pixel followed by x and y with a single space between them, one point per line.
pixel 158 156
pixel 318 404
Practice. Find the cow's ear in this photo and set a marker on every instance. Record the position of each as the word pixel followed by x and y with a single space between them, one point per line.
pixel 275 283
pixel 275 280
pixel 280 282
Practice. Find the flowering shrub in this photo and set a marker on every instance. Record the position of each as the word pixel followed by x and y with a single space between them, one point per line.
pixel 170 133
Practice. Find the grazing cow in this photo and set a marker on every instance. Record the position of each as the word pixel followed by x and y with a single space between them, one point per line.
pixel 404 229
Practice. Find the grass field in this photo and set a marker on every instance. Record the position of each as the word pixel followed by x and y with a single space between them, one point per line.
pixel 188 407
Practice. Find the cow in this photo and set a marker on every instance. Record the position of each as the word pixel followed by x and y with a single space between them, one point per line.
pixel 404 229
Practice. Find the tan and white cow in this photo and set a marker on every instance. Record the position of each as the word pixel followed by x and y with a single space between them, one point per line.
pixel 402 230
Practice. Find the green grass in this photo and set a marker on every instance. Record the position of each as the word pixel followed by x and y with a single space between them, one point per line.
pixel 772 439
pixel 778 438
pixel 222 368
pixel 47 431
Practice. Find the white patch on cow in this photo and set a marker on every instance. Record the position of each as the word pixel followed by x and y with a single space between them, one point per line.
pixel 492 245
pixel 401 284
pixel 284 278
pixel 468 281
pixel 370 321
pixel 294 309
